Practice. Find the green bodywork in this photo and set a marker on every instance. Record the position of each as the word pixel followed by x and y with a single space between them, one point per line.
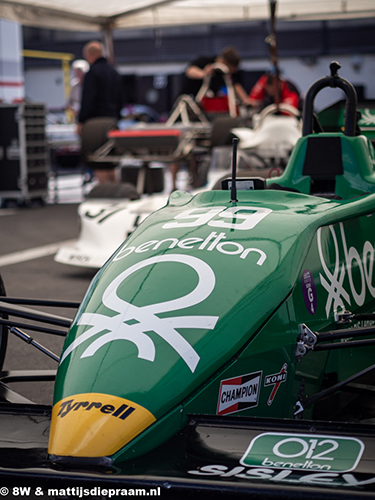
pixel 358 161
pixel 207 295
pixel 332 118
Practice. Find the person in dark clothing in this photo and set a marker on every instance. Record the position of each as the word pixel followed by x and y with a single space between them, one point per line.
pixel 205 65
pixel 216 99
pixel 101 104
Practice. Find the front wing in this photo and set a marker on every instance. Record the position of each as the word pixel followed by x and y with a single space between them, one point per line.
pixel 212 457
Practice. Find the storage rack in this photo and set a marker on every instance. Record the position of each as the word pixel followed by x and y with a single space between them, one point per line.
pixel 24 153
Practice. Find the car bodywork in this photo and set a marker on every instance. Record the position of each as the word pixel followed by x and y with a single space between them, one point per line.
pixel 226 347
pixel 275 132
pixel 105 224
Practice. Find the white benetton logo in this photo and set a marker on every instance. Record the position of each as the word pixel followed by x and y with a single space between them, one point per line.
pixel 132 322
pixel 334 282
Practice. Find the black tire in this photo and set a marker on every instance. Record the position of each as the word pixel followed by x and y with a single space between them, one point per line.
pixel 109 190
pixel 3 329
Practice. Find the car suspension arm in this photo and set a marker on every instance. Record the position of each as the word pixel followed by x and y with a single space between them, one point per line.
pixel 41 302
pixel 311 341
pixel 304 403
pixel 29 340
pixel 24 312
pixel 35 328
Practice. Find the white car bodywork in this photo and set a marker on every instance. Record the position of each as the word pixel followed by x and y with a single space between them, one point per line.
pixel 105 224
pixel 273 136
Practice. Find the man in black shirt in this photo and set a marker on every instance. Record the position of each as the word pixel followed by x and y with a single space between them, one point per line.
pixel 101 103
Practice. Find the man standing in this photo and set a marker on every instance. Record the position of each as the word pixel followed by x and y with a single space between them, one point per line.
pixel 101 103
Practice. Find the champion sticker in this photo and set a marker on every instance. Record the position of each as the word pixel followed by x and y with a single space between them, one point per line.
pixel 239 393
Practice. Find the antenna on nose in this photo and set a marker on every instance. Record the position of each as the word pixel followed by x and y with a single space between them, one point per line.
pixel 233 190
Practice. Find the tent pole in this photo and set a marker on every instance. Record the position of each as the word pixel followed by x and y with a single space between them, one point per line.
pixel 272 42
pixel 108 43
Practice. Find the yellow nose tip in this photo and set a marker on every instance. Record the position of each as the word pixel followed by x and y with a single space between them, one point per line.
pixel 95 425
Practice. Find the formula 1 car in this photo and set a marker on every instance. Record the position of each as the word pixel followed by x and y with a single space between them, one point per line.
pixel 226 349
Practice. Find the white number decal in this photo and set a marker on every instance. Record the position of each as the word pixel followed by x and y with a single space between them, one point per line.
pixel 307 450
pixel 199 219
pixel 249 217
pixel 320 456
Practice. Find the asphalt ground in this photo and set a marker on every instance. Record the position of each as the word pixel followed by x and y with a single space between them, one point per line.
pixel 35 274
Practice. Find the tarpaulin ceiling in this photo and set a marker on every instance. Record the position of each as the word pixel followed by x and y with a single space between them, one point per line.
pixel 95 15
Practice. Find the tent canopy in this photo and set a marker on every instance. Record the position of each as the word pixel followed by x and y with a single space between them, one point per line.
pixel 97 15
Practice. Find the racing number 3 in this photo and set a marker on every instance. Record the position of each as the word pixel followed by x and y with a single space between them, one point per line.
pixel 243 218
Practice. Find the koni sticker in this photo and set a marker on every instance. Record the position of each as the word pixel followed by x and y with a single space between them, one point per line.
pixel 239 393
pixel 275 379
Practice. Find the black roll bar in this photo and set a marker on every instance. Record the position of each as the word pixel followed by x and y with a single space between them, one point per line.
pixel 333 81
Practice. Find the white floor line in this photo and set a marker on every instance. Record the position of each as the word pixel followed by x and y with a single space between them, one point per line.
pixel 32 253
pixel 7 211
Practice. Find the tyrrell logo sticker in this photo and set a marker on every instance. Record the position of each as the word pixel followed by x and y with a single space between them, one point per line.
pixel 276 379
pixel 95 424
pixel 122 412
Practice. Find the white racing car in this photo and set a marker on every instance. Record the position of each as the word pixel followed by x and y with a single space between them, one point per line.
pixel 105 224
pixel 106 221
pixel 276 129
